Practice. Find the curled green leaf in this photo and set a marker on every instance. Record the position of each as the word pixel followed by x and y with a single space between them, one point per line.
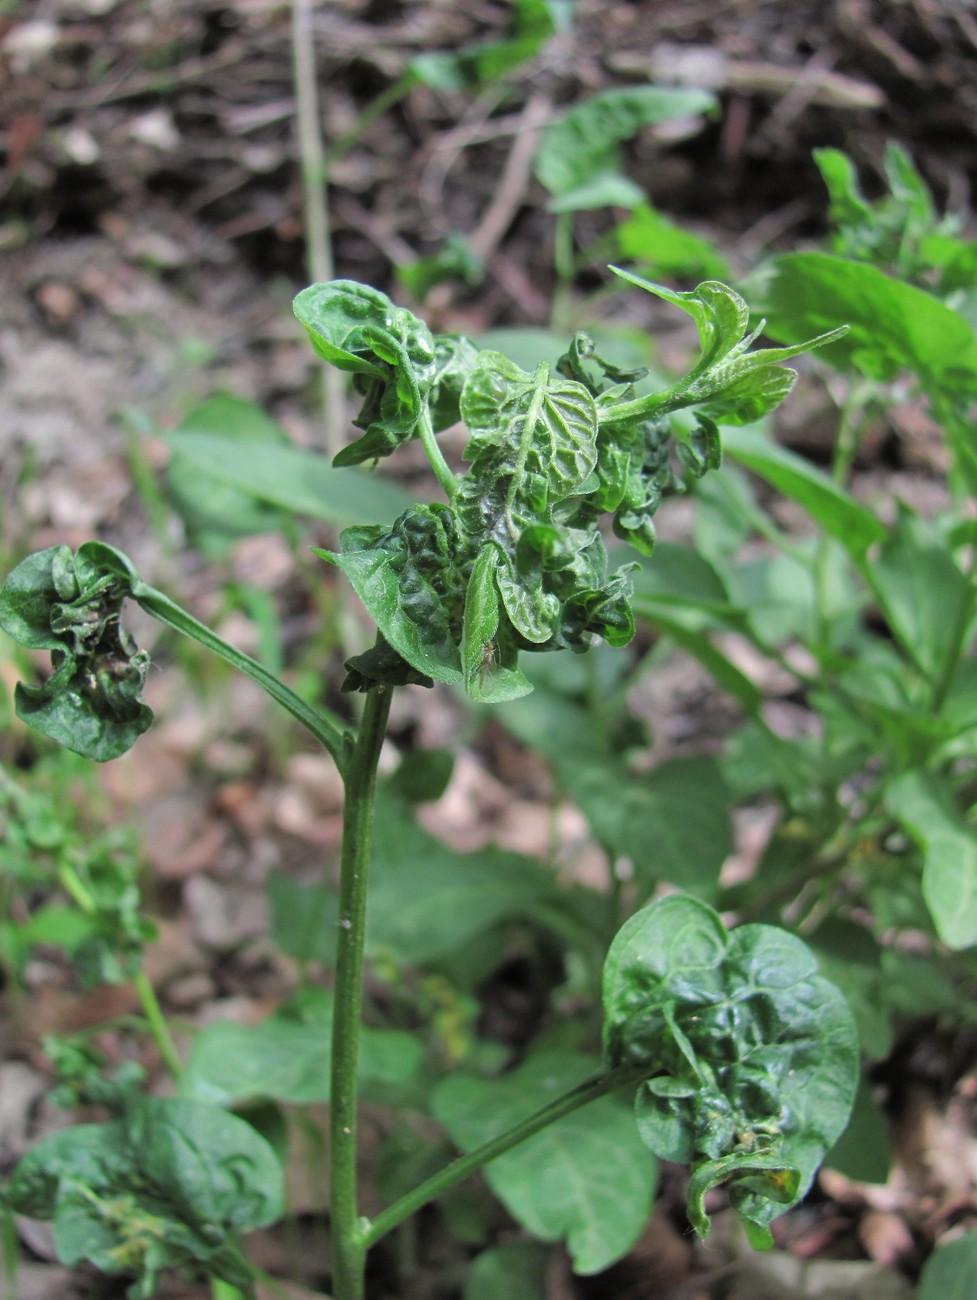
pixel 399 369
pixel 752 1055
pixel 70 604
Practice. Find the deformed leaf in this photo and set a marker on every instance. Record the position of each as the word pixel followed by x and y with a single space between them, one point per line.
pixel 171 1184
pixel 752 1055
pixel 70 604
pixel 734 385
pixel 411 582
pixel 389 351
pixel 583 1179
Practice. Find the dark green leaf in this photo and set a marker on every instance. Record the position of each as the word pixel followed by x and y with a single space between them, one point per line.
pixel 649 238
pixel 423 775
pixel 753 1056
pixel 583 1179
pixel 514 1268
pixel 426 901
pixel 304 918
pixel 672 823
pixel 863 1152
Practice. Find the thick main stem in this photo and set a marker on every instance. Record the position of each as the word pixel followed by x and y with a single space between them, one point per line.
pixel 348 1247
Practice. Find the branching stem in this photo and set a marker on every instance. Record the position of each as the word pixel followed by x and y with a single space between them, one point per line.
pixel 327 729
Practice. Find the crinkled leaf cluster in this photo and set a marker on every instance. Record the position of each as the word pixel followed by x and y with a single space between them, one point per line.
pixel 753 1056
pixel 401 372
pixel 69 603
pixel 172 1183
pixel 516 559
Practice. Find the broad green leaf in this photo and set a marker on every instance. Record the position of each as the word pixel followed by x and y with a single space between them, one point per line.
pixel 863 1152
pixel 303 918
pixel 723 671
pixel 949 847
pixel 849 956
pixel 578 160
pixel 170 1185
pixel 426 901
pixel 287 1058
pixel 299 482
pixel 672 823
pixel 455 261
pixel 649 238
pixel 922 591
pixel 829 505
pixel 70 604
pixel 514 1268
pixel 950 1273
pixel 583 1179
pixel 214 507
pixel 893 325
pixel 753 1055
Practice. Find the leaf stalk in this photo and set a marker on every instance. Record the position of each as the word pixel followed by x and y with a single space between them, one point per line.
pixel 599 1085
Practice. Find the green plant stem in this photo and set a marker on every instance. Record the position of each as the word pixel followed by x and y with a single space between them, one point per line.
pixel 393 94
pixel 360 782
pixel 157 1023
pixel 327 729
pixel 850 427
pixel 434 454
pixel 564 264
pixel 590 1090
